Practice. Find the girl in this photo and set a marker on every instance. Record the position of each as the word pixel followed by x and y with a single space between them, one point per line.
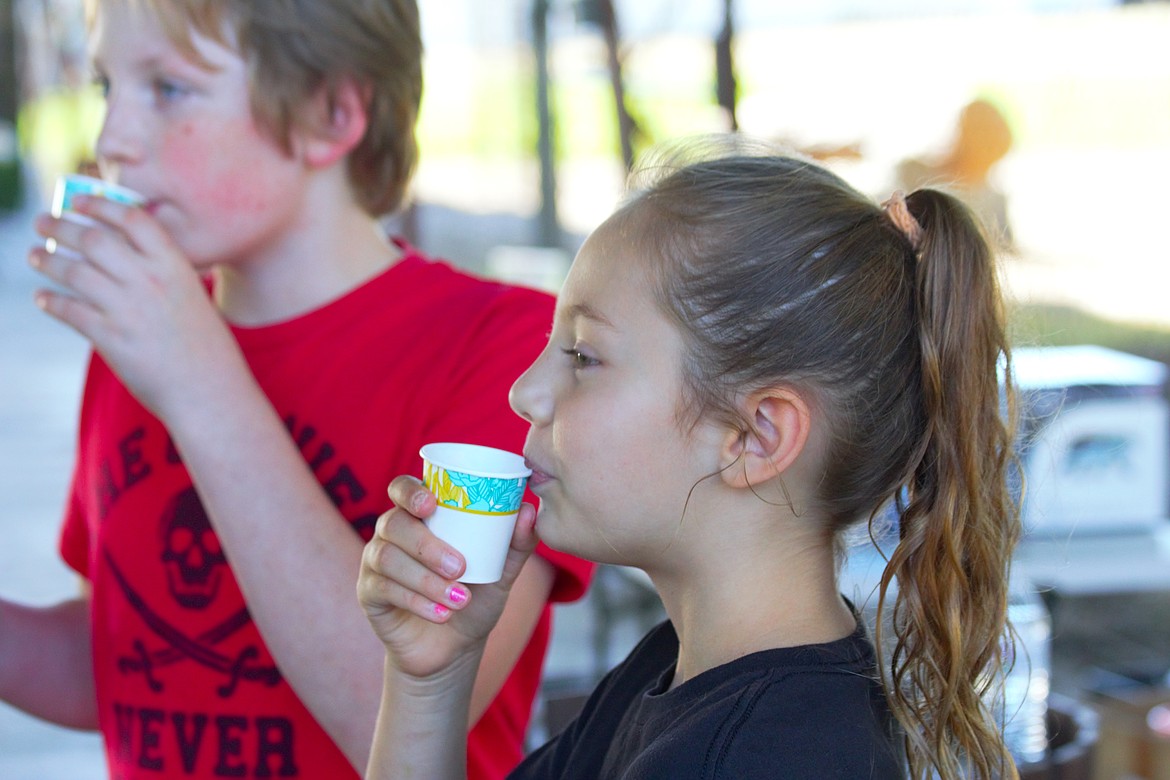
pixel 748 358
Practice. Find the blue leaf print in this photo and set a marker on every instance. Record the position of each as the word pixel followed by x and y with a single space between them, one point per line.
pixel 489 494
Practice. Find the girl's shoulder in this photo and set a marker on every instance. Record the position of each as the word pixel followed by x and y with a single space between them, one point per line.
pixel 810 711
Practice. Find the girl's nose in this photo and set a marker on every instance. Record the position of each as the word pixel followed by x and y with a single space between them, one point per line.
pixel 531 396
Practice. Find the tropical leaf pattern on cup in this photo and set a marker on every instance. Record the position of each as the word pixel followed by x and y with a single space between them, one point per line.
pixel 468 492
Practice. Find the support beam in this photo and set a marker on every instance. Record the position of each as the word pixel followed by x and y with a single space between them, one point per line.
pixel 549 227
pixel 726 87
pixel 607 18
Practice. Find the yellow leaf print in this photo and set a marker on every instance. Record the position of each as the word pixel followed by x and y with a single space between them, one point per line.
pixel 447 493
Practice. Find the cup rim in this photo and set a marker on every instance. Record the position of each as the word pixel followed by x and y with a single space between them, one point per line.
pixel 446 454
pixel 125 194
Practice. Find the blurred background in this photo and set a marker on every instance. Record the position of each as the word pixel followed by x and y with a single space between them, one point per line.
pixel 1051 117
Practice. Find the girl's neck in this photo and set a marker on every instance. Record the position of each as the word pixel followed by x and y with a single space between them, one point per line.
pixel 772 597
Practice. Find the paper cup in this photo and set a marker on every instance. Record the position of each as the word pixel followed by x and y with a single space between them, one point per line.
pixel 71 185
pixel 478 491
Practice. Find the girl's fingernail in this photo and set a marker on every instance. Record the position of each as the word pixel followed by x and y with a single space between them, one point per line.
pixel 457 595
pixel 441 611
pixel 449 565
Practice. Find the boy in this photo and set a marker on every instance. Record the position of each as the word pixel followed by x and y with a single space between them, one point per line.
pixel 234 446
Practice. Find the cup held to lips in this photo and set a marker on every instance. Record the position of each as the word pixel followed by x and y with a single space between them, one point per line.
pixel 71 185
pixel 478 491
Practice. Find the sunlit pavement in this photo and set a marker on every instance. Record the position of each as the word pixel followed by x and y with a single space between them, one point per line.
pixel 41 364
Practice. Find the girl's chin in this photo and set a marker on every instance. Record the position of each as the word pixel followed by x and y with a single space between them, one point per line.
pixel 547 528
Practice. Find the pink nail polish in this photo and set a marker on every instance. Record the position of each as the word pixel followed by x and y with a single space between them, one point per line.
pixel 441 611
pixel 457 595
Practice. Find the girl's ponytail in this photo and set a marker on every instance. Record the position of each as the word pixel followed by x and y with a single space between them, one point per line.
pixel 958 522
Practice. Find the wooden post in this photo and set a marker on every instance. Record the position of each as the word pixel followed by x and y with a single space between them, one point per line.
pixel 607 17
pixel 549 228
pixel 725 82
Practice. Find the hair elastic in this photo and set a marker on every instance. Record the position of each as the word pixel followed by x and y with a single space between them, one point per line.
pixel 896 209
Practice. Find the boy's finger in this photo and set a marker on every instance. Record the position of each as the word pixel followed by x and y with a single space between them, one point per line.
pixel 64 232
pixel 138 227
pixel 109 211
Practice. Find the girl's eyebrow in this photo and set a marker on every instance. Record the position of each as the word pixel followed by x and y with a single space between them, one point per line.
pixel 585 311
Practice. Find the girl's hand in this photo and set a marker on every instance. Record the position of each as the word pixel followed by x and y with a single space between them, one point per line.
pixel 128 289
pixel 426 619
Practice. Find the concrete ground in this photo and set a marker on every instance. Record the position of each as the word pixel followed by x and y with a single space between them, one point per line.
pixel 41 365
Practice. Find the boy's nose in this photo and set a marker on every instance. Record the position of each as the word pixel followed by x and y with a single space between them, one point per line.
pixel 120 138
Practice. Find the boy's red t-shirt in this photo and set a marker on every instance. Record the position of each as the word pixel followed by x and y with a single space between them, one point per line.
pixel 185 685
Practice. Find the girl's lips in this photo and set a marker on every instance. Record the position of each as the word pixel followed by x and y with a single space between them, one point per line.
pixel 538 477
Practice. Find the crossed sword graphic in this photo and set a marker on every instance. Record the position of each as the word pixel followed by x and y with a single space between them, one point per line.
pixel 182 646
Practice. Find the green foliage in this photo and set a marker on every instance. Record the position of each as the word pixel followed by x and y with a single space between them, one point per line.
pixel 10 185
pixel 1055 325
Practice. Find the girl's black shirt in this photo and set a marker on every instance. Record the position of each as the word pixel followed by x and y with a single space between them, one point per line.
pixel 814 711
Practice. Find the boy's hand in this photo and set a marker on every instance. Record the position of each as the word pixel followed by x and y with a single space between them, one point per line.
pixel 426 619
pixel 135 296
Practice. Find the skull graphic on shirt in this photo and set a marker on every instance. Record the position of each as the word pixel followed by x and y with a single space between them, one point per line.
pixel 192 556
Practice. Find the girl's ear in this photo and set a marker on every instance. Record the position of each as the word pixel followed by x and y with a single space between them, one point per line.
pixel 780 424
pixel 337 124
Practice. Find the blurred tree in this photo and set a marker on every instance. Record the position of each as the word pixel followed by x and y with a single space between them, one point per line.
pixel 10 181
pixel 607 18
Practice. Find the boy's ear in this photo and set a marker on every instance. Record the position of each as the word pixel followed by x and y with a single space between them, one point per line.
pixel 337 124
pixel 780 425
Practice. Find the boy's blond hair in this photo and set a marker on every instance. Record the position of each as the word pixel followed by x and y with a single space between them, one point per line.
pixel 295 48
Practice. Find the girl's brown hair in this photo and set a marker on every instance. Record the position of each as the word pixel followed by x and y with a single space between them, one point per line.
pixel 296 48
pixel 778 272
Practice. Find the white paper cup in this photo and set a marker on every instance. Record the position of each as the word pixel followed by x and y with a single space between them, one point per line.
pixel 70 186
pixel 478 491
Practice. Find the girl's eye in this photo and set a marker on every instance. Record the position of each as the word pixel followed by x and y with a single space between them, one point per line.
pixel 579 359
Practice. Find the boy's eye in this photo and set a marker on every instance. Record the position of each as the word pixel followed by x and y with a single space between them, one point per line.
pixel 168 90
